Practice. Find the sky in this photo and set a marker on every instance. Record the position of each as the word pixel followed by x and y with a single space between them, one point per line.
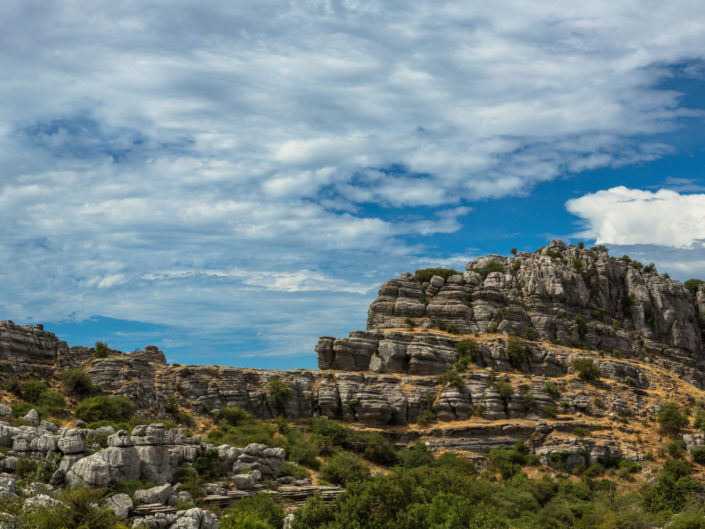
pixel 231 180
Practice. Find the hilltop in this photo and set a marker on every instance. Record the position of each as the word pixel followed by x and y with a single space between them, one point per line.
pixel 569 353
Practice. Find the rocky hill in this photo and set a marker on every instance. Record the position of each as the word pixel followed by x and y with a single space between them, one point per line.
pixel 566 349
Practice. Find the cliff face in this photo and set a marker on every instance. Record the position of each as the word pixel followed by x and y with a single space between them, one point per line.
pixel 565 295
pixel 641 330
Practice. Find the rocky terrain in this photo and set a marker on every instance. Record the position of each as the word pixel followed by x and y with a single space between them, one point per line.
pixel 463 362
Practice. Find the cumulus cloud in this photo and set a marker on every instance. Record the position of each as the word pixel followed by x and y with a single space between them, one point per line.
pixel 632 216
pixel 201 164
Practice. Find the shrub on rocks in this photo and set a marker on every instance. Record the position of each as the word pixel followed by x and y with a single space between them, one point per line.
pixel 103 408
pixel 278 394
pixel 425 274
pixel 671 420
pixel 233 415
pixel 586 369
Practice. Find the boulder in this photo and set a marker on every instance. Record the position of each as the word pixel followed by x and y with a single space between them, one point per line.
pixel 195 518
pixel 72 442
pixel 8 485
pixel 121 504
pixel 32 417
pixel 159 494
pixel 247 481
pixel 5 411
pixel 91 471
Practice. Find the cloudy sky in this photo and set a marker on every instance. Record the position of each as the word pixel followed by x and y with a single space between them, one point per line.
pixel 231 180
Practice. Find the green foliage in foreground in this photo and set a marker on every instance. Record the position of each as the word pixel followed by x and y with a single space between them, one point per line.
pixel 256 512
pixel 77 509
pixel 447 493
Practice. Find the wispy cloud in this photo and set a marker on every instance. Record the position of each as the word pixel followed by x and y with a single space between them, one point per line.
pixel 202 164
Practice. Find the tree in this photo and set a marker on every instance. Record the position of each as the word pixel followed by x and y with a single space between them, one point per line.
pixel 101 350
pixel 77 382
pixel 278 394
pixel 671 420
pixel 586 369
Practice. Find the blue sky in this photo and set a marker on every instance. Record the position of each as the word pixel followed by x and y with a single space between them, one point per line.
pixel 229 181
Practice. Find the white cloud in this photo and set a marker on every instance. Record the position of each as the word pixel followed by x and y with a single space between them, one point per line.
pixel 632 216
pixel 276 140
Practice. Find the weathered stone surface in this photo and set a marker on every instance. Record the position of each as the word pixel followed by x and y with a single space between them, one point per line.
pixel 159 494
pixel 247 481
pixel 8 484
pixel 195 518
pixel 121 504
pixel 72 442
pixel 91 471
pixel 5 411
pixel 32 417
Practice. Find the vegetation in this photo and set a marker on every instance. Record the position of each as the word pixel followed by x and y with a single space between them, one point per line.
pixel 489 268
pixel 102 408
pixel 424 275
pixel 692 285
pixel 344 468
pixel 77 382
pixel 671 420
pixel 256 512
pixel 586 369
pixel 101 350
pixel 518 351
pixel 278 394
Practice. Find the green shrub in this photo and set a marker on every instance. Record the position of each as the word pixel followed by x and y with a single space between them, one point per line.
pixel 489 268
pixel 278 394
pixel 551 390
pixel 629 300
pixel 505 390
pixel 699 420
pixel 468 347
pixel 301 450
pixel 677 449
pixel 424 275
pixel 77 508
pixel 517 351
pixel 32 390
pixel 671 420
pixel 101 350
pixel 344 468
pixel 549 411
pixel 206 464
pixel 260 511
pixel 77 382
pixel 452 328
pixel 233 415
pixel 102 408
pixel 698 454
pixel 415 456
pixel 586 369
pixel 649 316
pixel 692 285
pixel 450 377
pixel 581 327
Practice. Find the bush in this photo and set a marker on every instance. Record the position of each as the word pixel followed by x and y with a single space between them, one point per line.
pixel 549 411
pixel 344 468
pixel 77 382
pixel 256 512
pixel 425 274
pixel 278 394
pixel 489 268
pixel 416 456
pixel 692 285
pixel 206 464
pixel 452 328
pixel 101 350
pixel 233 415
pixel 552 390
pixel 450 377
pixel 580 327
pixel 517 351
pixel 671 420
pixel 468 348
pixel 103 408
pixel 699 420
pixel 677 449
pixel 77 508
pixel 698 454
pixel 32 390
pixel 586 369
